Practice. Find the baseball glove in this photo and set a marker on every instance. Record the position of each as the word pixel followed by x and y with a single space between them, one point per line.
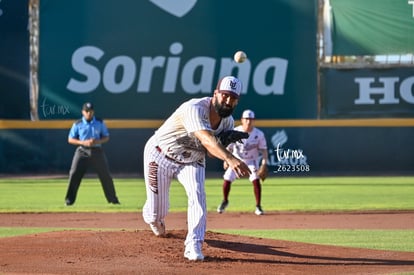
pixel 263 172
pixel 231 136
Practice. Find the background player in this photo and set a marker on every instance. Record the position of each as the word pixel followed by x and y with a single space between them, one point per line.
pixel 88 134
pixel 249 151
pixel 177 150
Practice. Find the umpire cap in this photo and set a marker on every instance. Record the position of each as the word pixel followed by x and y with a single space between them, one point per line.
pixel 87 106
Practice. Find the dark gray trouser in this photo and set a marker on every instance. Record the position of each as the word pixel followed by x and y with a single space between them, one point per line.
pixel 83 159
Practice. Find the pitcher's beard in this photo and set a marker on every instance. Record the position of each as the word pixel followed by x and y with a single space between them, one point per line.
pixel 223 110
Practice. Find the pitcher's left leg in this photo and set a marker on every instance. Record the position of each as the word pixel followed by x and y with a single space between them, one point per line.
pixel 192 177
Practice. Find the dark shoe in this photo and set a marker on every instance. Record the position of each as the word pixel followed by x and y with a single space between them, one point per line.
pixel 115 202
pixel 68 202
pixel 222 206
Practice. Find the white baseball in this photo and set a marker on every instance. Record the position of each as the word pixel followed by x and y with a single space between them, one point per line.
pixel 240 56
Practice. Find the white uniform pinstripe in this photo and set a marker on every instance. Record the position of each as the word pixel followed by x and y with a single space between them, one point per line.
pixel 248 151
pixel 174 152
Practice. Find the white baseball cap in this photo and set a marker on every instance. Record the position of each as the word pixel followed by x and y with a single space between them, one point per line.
pixel 248 114
pixel 230 84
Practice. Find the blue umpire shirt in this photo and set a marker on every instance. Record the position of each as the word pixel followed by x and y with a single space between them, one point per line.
pixel 84 130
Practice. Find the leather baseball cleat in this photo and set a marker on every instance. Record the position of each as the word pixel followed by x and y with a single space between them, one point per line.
pixel 158 228
pixel 223 205
pixel 193 252
pixel 259 211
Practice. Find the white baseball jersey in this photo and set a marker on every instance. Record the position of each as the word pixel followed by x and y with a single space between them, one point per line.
pixel 174 152
pixel 175 137
pixel 248 151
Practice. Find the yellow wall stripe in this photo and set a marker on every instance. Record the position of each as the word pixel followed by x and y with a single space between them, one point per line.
pixel 137 124
pixel 384 122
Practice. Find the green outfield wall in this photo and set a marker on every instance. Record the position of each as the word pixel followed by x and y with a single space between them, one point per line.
pixel 14 60
pixel 327 147
pixel 141 59
pixel 138 60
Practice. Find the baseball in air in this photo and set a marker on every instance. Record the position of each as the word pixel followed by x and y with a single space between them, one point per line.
pixel 240 56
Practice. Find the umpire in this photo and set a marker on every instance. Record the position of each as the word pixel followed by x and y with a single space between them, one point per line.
pixel 88 134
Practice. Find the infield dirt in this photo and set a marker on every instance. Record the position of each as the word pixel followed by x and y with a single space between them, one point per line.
pixel 121 243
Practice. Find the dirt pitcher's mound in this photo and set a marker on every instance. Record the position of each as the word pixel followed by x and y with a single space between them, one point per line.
pixel 140 252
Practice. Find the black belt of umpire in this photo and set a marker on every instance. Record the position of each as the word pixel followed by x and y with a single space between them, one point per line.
pixel 92 147
pixel 168 157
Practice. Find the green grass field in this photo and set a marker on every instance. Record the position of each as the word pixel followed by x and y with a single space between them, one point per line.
pixel 301 194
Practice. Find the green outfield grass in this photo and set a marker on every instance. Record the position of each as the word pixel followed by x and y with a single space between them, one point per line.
pixel 279 194
pixel 398 240
pixel 300 194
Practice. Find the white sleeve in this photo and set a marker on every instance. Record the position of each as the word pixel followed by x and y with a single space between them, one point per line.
pixel 195 118
pixel 262 141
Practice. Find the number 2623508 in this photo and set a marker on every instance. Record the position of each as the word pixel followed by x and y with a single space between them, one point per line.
pixel 281 168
